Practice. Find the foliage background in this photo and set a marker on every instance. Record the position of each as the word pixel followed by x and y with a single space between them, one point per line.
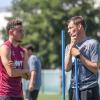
pixel 44 20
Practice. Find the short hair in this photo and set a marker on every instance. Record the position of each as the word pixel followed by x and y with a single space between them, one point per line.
pixel 13 23
pixel 30 47
pixel 77 20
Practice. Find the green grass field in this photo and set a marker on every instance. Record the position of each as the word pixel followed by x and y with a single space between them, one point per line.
pixel 50 97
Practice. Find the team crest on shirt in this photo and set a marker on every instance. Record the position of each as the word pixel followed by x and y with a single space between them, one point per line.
pixel 18 64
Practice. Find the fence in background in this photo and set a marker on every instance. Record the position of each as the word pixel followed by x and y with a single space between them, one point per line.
pixel 51 82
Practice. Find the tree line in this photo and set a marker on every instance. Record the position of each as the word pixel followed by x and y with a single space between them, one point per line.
pixel 44 19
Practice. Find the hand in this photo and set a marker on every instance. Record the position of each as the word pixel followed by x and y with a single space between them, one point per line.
pixel 75 51
pixel 31 87
pixel 26 75
pixel 11 63
pixel 73 41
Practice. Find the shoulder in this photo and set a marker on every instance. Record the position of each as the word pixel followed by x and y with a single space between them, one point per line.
pixel 91 42
pixel 33 57
pixel 4 49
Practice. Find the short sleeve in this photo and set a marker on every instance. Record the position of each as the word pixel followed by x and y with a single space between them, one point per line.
pixel 32 63
pixel 95 51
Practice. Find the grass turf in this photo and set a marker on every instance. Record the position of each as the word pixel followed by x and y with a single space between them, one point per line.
pixel 42 96
pixel 50 97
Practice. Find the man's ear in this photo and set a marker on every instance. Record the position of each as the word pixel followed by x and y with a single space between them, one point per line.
pixel 79 26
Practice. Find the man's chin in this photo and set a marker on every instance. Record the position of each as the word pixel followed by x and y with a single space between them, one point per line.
pixel 19 41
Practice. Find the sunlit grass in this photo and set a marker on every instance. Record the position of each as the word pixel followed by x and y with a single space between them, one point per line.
pixel 50 97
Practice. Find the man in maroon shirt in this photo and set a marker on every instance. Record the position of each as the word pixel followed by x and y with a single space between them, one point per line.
pixel 13 63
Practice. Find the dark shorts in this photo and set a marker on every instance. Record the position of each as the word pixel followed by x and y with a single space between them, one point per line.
pixel 88 94
pixel 33 95
pixel 11 98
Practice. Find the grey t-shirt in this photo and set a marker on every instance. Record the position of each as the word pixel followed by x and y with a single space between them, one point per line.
pixel 35 64
pixel 89 48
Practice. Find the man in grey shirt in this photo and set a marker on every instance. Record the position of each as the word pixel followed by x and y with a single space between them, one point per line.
pixel 35 69
pixel 86 50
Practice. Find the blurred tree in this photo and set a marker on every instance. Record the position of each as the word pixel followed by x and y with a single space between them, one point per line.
pixel 44 20
pixel 5 36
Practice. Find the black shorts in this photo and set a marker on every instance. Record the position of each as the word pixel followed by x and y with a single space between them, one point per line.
pixel 88 94
pixel 11 98
pixel 33 95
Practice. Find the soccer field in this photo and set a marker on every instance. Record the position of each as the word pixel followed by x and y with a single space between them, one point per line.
pixel 50 97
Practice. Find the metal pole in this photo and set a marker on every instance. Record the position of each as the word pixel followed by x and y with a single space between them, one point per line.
pixel 76 78
pixel 63 68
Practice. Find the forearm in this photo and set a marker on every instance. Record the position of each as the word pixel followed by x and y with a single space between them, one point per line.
pixel 18 72
pixel 93 67
pixel 26 75
pixel 68 61
pixel 26 66
pixel 32 80
pixel 33 77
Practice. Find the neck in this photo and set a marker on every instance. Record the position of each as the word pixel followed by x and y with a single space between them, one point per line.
pixel 82 37
pixel 14 43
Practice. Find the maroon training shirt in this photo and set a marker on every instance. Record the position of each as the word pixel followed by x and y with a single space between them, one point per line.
pixel 12 86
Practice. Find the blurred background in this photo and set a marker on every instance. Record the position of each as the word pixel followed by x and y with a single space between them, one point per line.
pixel 43 21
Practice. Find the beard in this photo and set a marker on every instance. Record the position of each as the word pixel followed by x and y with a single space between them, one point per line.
pixel 18 41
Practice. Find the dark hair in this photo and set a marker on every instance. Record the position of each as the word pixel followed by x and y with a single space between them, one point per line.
pixel 77 20
pixel 12 23
pixel 29 47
